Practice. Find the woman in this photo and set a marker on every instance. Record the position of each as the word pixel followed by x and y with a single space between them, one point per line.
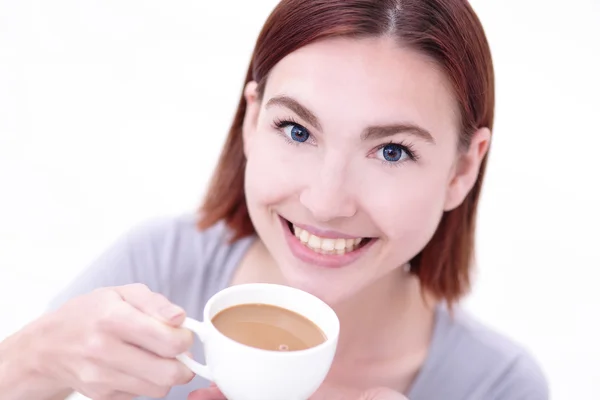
pixel 352 170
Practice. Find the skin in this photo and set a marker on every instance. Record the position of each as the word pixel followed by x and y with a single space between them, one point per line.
pixel 119 343
pixel 338 181
pixel 112 344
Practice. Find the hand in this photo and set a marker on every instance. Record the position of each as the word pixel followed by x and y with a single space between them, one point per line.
pixel 325 392
pixel 112 344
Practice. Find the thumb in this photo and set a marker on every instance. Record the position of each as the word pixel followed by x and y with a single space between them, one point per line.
pixel 210 393
pixel 382 394
pixel 329 391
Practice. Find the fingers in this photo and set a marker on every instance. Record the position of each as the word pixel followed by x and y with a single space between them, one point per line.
pixel 382 394
pixel 118 344
pixel 107 383
pixel 117 396
pixel 153 304
pixel 329 391
pixel 211 393
pixel 335 392
pixel 134 326
pixel 138 329
pixel 144 365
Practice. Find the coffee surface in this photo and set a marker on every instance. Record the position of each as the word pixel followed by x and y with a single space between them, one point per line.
pixel 268 327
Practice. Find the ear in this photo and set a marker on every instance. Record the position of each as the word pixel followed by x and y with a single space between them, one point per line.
pixel 251 115
pixel 466 169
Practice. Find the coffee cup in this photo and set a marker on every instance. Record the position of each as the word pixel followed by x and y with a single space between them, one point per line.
pixel 243 372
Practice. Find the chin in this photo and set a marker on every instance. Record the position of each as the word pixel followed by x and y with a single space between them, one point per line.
pixel 323 288
pixel 332 285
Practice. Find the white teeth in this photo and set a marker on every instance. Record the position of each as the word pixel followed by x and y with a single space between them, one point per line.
pixel 314 242
pixel 304 235
pixel 340 244
pixel 326 245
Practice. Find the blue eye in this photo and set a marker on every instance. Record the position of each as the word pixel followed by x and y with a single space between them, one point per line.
pixel 393 152
pixel 296 132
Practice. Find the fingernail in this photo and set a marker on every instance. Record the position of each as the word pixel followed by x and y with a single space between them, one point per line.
pixel 170 312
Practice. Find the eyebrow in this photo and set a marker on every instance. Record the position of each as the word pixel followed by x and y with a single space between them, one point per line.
pixel 381 132
pixel 296 107
pixel 370 133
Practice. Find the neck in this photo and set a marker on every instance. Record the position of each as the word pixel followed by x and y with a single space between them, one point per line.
pixel 389 318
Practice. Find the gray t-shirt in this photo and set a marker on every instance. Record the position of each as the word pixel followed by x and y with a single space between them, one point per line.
pixel 172 256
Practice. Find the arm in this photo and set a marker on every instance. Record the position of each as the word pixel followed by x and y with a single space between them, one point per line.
pixel 130 260
pixel 18 377
pixel 88 345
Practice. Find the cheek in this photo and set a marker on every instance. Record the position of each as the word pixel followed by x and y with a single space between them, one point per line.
pixel 408 211
pixel 273 171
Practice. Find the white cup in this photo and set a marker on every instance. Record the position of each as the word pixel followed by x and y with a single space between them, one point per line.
pixel 246 373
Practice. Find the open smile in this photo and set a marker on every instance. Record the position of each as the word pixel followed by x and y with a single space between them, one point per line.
pixel 324 248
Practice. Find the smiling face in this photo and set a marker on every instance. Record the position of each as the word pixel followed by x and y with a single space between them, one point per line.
pixel 354 149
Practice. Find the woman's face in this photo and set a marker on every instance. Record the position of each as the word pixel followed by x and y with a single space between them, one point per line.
pixel 352 160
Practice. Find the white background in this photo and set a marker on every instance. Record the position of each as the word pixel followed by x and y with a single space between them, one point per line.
pixel 113 112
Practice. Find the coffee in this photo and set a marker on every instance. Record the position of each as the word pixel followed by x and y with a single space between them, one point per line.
pixel 268 327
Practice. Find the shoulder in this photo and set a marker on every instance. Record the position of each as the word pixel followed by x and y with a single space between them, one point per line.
pixel 168 230
pixel 477 359
pixel 507 371
pixel 172 239
pixel 524 380
pixel 179 248
pixel 170 255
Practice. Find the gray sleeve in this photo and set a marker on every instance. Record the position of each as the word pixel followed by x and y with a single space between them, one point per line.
pixel 134 258
pixel 523 380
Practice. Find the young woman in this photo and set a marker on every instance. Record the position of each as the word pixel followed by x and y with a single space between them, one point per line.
pixel 352 170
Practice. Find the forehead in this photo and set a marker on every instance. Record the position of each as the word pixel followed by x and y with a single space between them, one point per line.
pixel 370 80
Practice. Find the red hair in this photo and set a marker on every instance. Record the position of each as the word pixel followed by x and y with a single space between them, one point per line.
pixel 448 32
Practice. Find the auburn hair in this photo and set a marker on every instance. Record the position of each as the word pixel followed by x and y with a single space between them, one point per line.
pixel 448 32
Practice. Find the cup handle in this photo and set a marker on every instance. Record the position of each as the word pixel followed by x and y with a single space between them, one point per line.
pixel 199 328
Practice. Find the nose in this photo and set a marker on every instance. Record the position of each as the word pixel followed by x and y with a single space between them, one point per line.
pixel 327 195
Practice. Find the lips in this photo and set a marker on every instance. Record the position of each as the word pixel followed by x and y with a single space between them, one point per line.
pixel 326 245
pixel 328 249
